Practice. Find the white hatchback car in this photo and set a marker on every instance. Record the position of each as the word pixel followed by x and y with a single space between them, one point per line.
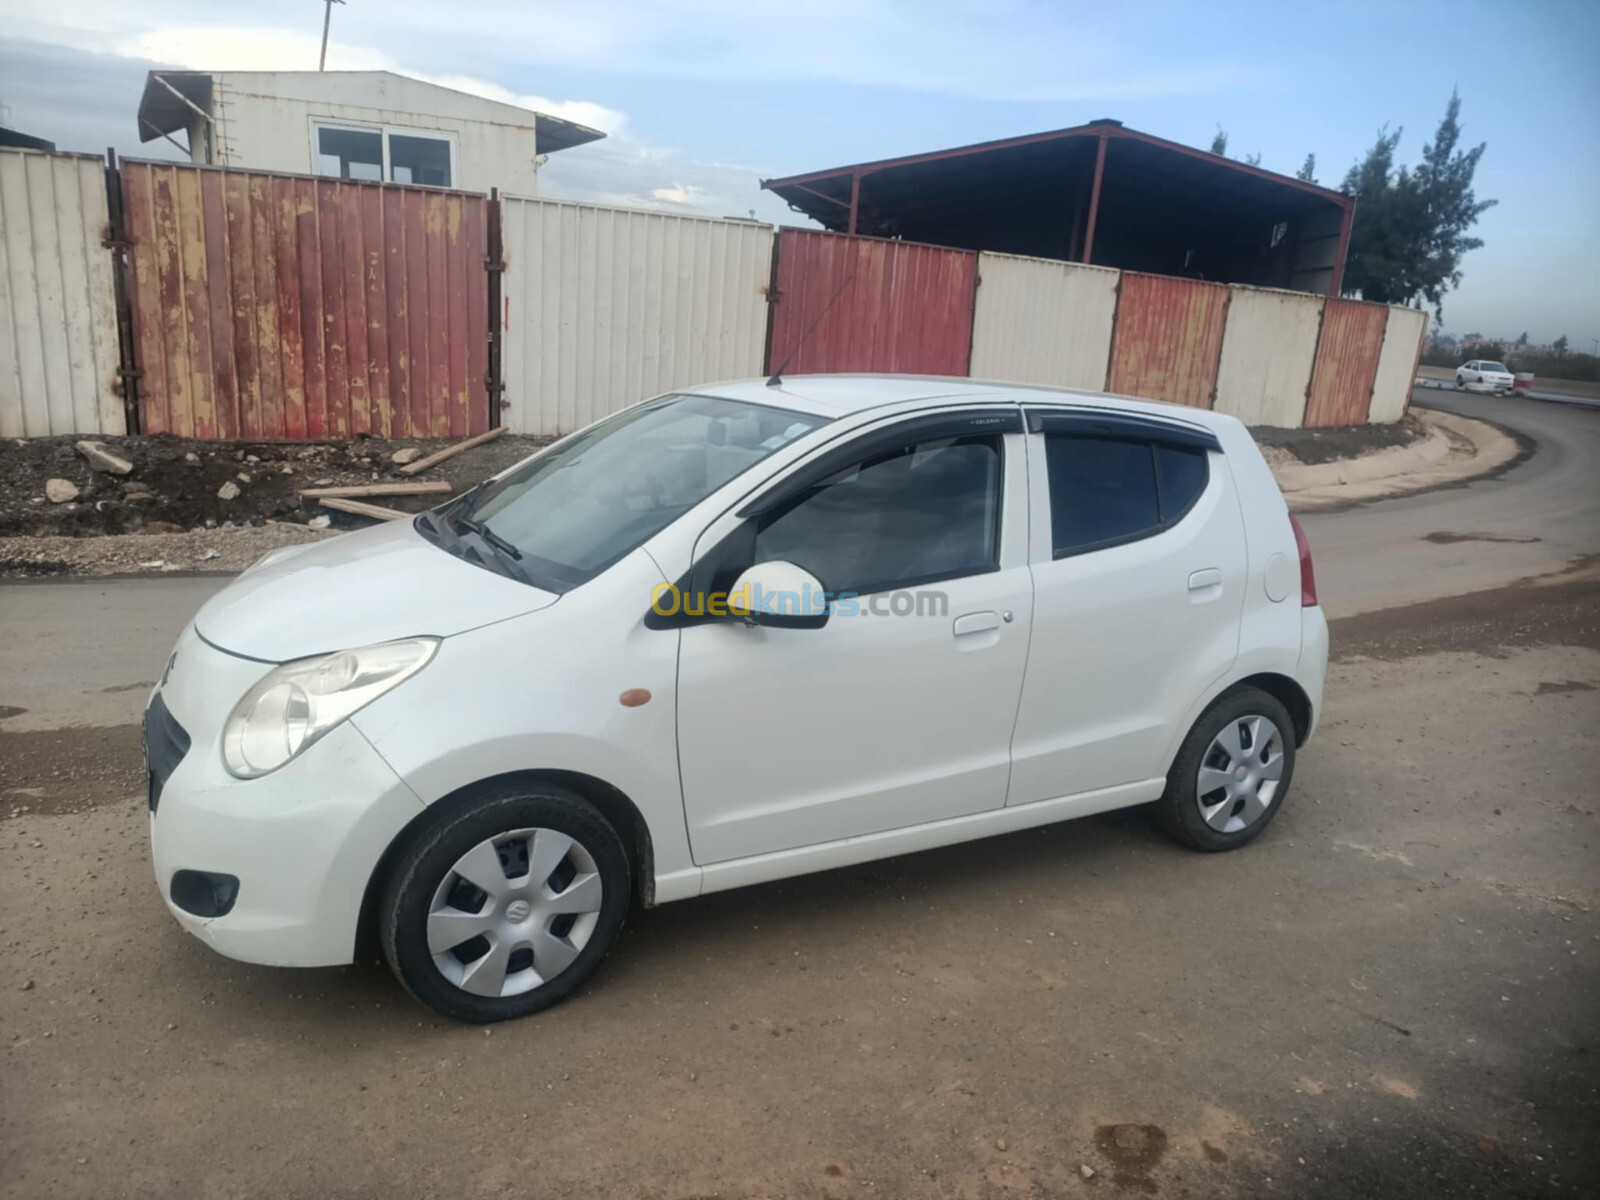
pixel 725 636
pixel 1483 375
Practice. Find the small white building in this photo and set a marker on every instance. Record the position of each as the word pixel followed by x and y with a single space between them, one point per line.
pixel 356 125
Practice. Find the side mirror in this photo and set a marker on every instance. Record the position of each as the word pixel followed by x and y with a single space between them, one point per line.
pixel 780 595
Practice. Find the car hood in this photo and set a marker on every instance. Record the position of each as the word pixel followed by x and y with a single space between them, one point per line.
pixel 371 586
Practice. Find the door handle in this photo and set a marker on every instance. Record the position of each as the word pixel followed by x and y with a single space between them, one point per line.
pixel 1200 580
pixel 978 622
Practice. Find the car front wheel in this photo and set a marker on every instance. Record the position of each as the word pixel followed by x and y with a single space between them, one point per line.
pixel 1232 773
pixel 507 905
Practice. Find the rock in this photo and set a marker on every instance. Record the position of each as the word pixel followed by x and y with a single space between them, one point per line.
pixel 144 497
pixel 321 482
pixel 192 459
pixel 134 486
pixel 251 458
pixel 101 459
pixel 243 476
pixel 59 491
pixel 155 564
pixel 162 527
pixel 228 491
pixel 28 986
pixel 1000 1144
pixel 1086 1171
pixel 285 469
pixel 207 555
pixel 409 455
pixel 321 521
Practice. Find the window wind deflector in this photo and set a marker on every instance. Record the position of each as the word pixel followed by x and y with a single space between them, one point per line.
pixel 971 422
pixel 1083 423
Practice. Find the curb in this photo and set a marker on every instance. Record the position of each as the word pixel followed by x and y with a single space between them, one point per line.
pixel 1456 449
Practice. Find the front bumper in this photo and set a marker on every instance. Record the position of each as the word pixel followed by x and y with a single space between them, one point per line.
pixel 302 841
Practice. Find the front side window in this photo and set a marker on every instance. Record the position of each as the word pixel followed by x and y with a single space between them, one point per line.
pixel 368 153
pixel 1107 491
pixel 915 514
pixel 565 516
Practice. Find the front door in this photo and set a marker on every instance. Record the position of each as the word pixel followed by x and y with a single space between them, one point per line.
pixel 899 710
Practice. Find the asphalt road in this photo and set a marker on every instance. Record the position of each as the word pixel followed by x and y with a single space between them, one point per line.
pixel 1394 991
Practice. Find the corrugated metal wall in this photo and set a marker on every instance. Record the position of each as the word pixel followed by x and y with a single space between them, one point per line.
pixel 605 307
pixel 1347 362
pixel 1041 321
pixel 1268 346
pixel 284 306
pixel 1397 363
pixel 896 306
pixel 58 335
pixel 1168 339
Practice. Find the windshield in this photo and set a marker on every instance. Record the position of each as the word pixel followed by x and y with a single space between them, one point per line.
pixel 570 513
pixel 1494 366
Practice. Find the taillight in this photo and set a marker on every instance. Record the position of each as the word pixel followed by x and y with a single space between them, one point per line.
pixel 1308 575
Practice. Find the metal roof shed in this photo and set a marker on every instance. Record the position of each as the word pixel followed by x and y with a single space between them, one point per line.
pixel 1099 193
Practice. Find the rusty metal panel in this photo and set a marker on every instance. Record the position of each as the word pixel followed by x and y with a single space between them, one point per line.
pixel 58 334
pixel 1168 339
pixel 896 306
pixel 1397 364
pixel 1268 347
pixel 604 307
pixel 1042 321
pixel 282 306
pixel 1347 362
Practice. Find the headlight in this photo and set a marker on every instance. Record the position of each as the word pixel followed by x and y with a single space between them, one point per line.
pixel 295 704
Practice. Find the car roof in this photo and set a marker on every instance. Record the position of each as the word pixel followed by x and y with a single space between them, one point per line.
pixel 834 396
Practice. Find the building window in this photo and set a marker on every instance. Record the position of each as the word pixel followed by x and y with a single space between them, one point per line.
pixel 381 153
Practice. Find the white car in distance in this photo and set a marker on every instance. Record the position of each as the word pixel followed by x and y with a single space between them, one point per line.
pixel 729 635
pixel 1484 375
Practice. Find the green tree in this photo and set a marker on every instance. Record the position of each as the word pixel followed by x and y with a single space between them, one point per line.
pixel 1308 169
pixel 1252 160
pixel 1559 345
pixel 1522 338
pixel 1411 223
pixel 1219 144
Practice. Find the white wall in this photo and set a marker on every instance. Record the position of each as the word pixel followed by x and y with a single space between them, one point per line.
pixel 263 121
pixel 1268 347
pixel 1041 321
pixel 604 307
pixel 1397 363
pixel 58 325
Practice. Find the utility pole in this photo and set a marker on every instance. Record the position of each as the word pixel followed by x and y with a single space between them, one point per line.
pixel 327 19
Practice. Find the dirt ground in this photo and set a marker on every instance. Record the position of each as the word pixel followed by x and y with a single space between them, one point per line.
pixel 1344 441
pixel 1393 992
pixel 175 481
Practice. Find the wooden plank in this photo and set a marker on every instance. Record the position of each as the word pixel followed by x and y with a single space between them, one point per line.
pixel 366 510
pixel 421 487
pixel 422 464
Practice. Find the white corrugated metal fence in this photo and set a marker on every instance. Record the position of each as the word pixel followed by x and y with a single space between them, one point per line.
pixel 1041 321
pixel 58 334
pixel 1397 363
pixel 604 307
pixel 1268 346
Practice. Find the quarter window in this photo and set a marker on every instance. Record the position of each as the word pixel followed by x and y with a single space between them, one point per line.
pixel 1107 491
pixel 913 515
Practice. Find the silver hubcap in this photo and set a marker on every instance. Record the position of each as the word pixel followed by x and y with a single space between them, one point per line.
pixel 1240 774
pixel 514 912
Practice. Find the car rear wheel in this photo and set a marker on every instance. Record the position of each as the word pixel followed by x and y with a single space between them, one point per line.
pixel 1232 773
pixel 507 905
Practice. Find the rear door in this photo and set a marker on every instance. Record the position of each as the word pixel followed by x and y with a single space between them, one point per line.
pixel 1139 568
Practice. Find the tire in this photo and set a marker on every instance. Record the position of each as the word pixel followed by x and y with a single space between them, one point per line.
pixel 1460 387
pixel 1237 810
pixel 522 943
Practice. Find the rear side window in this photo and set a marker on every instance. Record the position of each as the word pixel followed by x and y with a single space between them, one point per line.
pixel 1107 491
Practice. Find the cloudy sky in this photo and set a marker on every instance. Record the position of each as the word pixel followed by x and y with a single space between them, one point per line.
pixel 704 97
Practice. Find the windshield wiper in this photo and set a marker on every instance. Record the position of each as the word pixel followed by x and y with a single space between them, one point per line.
pixel 476 526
